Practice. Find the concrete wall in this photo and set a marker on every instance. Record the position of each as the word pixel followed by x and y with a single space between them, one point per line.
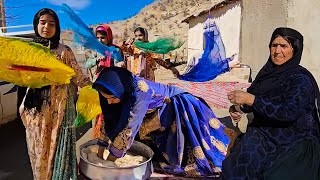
pixel 304 16
pixel 228 21
pixel 260 18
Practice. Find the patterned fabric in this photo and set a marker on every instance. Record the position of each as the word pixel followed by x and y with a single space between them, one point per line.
pixel 192 140
pixel 143 64
pixel 214 93
pixel 187 133
pixel 65 165
pixel 283 118
pixel 43 126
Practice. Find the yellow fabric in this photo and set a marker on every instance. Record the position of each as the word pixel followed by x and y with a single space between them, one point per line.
pixel 16 52
pixel 88 106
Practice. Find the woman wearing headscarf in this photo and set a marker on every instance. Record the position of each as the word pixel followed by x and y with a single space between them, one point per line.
pixel 282 142
pixel 188 137
pixel 104 35
pixel 46 111
pixel 141 63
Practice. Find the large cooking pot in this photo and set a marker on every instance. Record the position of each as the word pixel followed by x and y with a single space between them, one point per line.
pixel 137 172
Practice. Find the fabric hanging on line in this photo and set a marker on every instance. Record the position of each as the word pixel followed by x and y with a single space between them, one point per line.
pixel 213 61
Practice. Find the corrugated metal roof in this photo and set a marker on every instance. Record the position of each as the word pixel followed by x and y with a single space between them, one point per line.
pixel 216 4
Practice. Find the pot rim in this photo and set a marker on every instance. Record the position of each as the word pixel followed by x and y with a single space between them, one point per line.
pixel 94 142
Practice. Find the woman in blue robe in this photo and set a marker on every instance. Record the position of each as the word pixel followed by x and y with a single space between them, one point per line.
pixel 187 134
pixel 283 140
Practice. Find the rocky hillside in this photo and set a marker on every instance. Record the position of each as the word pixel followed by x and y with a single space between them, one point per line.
pixel 161 18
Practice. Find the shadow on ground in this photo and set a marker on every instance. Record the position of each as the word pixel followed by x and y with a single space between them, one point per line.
pixel 14 159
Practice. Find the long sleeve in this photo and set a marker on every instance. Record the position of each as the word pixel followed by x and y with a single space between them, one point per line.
pixel 80 79
pixel 126 49
pixel 124 139
pixel 246 109
pixel 290 104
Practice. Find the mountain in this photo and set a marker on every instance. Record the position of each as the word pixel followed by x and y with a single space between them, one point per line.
pixel 162 19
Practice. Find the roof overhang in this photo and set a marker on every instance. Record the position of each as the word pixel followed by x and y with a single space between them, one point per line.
pixel 217 5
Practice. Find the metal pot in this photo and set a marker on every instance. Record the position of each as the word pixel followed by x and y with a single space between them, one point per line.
pixel 142 171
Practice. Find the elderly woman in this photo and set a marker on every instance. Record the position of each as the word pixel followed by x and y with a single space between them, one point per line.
pixel 183 129
pixel 282 142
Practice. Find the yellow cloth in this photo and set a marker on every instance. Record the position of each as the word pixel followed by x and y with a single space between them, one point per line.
pixel 88 106
pixel 31 65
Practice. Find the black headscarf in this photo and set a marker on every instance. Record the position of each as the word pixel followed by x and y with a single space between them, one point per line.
pixel 270 76
pixel 54 40
pixel 118 82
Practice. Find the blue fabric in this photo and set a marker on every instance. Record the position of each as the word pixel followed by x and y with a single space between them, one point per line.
pixel 85 36
pixel 213 61
pixel 193 133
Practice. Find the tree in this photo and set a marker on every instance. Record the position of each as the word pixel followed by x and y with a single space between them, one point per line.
pixel 145 20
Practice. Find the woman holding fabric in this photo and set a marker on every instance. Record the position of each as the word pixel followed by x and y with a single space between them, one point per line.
pixel 104 35
pixel 47 112
pixel 282 142
pixel 187 134
pixel 141 63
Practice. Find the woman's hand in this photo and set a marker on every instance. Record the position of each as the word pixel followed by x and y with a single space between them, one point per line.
pixel 235 114
pixel 238 97
pixel 111 158
pixel 129 42
pixel 100 152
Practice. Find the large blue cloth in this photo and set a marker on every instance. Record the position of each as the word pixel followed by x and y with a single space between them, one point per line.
pixel 213 61
pixel 84 35
pixel 187 134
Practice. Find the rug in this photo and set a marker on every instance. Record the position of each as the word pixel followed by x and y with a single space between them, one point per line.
pixel 214 93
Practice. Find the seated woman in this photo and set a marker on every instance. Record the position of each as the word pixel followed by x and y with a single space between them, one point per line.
pixel 282 142
pixel 187 134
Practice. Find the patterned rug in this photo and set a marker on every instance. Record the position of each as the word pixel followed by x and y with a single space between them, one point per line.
pixel 214 93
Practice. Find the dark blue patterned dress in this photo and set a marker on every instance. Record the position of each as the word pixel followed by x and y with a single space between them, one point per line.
pixel 283 120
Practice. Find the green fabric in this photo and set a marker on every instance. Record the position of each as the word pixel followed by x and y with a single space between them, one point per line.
pixel 301 163
pixel 160 46
pixel 65 158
